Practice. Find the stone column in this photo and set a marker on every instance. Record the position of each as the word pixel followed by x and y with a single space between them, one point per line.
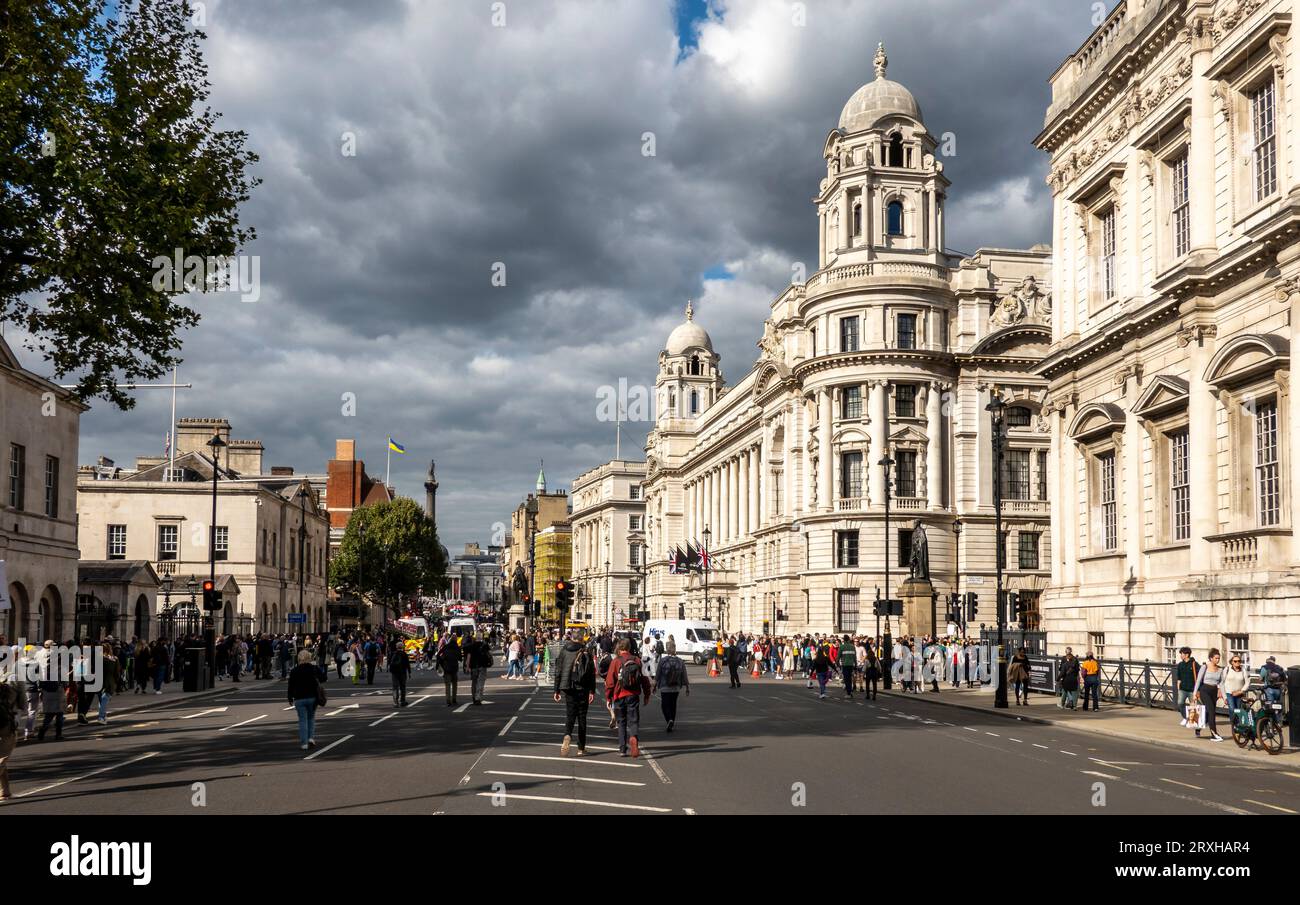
pixel 1054 493
pixel 1202 451
pixel 846 227
pixel 878 432
pixel 787 477
pixel 745 495
pixel 732 521
pixel 1132 483
pixel 1071 487
pixel 1200 147
pixel 756 488
pixel 934 446
pixel 825 495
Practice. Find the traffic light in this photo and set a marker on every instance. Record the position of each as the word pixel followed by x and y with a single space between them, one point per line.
pixel 527 601
pixel 972 605
pixel 211 599
pixel 1014 599
pixel 563 595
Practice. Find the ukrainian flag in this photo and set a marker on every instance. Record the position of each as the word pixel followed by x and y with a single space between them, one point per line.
pixel 395 446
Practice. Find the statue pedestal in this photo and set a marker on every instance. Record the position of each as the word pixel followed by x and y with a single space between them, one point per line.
pixel 918 616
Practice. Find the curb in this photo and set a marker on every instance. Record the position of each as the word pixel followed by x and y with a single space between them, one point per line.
pixel 1199 746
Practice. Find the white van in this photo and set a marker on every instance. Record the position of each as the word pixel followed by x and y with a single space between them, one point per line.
pixel 695 638
pixel 462 627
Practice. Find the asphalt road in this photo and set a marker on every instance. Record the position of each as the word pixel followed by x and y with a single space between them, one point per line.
pixel 768 747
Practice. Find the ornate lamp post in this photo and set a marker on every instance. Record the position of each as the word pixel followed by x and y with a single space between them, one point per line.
pixel 209 633
pixel 997 410
pixel 887 642
pixel 704 567
pixel 961 603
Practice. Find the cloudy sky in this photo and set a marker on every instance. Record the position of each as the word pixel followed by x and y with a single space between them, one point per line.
pixel 478 142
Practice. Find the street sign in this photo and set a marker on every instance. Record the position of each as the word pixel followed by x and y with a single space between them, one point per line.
pixel 299 618
pixel 975 579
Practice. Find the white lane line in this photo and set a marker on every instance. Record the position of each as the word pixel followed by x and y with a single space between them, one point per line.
pixel 654 765
pixel 64 782
pixel 1181 765
pixel 1273 806
pixel 463 707
pixel 882 717
pixel 1098 773
pixel 690 811
pixel 520 741
pixel 421 699
pixel 540 722
pixel 283 709
pixel 525 703
pixel 1106 763
pixel 382 718
pixel 1185 785
pixel 244 723
pixel 743 698
pixel 327 747
pixel 969 729
pixel 1016 740
pixel 343 708
pixel 601 763
pixel 507 726
pixel 205 712
pixel 994 734
pixel 1036 745
pixel 594 804
pixel 608 782
pixel 1071 753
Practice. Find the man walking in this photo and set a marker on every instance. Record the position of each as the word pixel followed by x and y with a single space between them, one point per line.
pixel 399 669
pixel 1091 670
pixel 670 679
pixel 624 686
pixel 848 665
pixel 478 660
pixel 371 652
pixel 734 657
pixel 575 683
pixel 449 660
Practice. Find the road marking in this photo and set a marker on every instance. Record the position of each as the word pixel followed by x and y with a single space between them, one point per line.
pixel 525 703
pixel 603 763
pixel 882 717
pixel 596 804
pixel 463 707
pixel 994 734
pixel 1096 773
pixel 1016 740
pixel 1181 765
pixel 382 718
pixel 1036 745
pixel 290 707
pixel 513 741
pixel 206 712
pixel 244 723
pixel 690 811
pixel 610 782
pixel 421 699
pixel 969 729
pixel 1106 763
pixel 327 747
pixel 507 726
pixel 743 698
pixel 654 765
pixel 64 782
pixel 540 723
pixel 343 708
pixel 1273 806
pixel 1288 773
pixel 1185 785
pixel 1071 753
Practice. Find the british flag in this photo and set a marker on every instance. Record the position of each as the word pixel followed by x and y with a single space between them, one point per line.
pixel 705 558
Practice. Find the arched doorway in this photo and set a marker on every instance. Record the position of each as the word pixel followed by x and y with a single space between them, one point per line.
pixel 17 622
pixel 141 627
pixel 228 619
pixel 52 605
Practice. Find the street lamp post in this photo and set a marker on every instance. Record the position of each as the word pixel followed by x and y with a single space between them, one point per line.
pixel 961 602
pixel 209 634
pixel 887 642
pixel 704 567
pixel 997 409
pixel 531 508
pixel 609 587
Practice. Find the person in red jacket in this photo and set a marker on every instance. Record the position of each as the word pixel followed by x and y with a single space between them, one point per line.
pixel 625 683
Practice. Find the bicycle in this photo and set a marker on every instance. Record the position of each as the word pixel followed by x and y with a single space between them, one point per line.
pixel 1259 724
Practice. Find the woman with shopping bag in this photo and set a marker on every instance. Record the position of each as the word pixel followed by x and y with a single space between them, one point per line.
pixel 1207 695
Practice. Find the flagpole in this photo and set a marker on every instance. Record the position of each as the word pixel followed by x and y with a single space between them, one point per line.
pixel 388 460
pixel 171 433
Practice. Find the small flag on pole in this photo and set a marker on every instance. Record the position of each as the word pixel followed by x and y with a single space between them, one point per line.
pixel 395 446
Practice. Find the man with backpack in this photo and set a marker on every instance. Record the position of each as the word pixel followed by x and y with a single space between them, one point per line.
pixel 399 668
pixel 848 665
pixel 449 662
pixel 670 679
pixel 575 681
pixel 624 686
pixel 478 660
pixel 371 652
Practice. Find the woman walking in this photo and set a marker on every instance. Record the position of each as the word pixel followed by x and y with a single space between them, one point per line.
pixel 1235 683
pixel 821 667
pixel 1208 685
pixel 141 667
pixel 305 695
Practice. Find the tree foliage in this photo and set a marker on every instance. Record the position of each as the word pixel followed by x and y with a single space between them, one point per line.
pixel 390 552
pixel 109 160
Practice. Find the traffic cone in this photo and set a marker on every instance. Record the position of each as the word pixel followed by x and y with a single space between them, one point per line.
pixel 755 673
pixel 713 667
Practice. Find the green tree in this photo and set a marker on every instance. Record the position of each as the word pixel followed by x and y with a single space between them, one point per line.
pixel 389 553
pixel 109 161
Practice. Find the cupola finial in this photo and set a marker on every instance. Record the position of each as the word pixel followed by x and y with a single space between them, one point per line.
pixel 690 310
pixel 881 61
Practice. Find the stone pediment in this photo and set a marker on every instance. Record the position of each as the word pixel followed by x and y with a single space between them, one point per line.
pixel 771 372
pixel 1247 357
pixel 1096 420
pixel 1024 340
pixel 851 434
pixel 1163 395
pixel 907 435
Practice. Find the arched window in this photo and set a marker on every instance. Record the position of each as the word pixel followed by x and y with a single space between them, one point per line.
pixel 896 150
pixel 857 219
pixel 672 401
pixel 894 218
pixel 695 402
pixel 695 366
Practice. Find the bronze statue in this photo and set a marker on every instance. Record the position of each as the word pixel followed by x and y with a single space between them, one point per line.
pixel 919 563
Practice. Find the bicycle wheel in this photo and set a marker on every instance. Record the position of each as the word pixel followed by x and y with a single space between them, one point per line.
pixel 1270 735
pixel 1240 735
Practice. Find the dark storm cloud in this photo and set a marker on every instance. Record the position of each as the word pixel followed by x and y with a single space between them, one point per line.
pixel 523 145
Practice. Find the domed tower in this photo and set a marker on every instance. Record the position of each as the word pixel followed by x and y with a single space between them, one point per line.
pixel 689 378
pixel 884 191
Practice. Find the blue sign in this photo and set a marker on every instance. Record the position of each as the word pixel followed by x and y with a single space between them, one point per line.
pixel 300 618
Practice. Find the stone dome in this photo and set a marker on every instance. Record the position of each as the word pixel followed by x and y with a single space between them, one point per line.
pixel 876 100
pixel 688 335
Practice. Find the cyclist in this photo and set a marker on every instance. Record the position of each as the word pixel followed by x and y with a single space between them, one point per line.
pixel 1274 678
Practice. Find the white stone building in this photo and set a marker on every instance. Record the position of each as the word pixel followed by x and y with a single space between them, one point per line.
pixel 1176 210
pixel 272 530
pixel 39 429
pixel 891 345
pixel 608 541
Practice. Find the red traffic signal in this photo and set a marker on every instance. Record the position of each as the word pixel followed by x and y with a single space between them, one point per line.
pixel 211 599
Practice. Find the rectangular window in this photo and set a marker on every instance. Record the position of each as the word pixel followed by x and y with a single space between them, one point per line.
pixel 117 541
pixel 634 492
pixel 634 589
pixel 634 555
pixel 17 475
pixel 846 549
pixel 907 331
pixel 51 486
pixel 905 463
pixel 905 400
pixel 1029 549
pixel 1018 416
pixel 1168 647
pixel 778 479
pixel 634 523
pixel 1264 140
pixel 1097 644
pixel 1108 254
pixel 1042 474
pixel 1015 474
pixel 851 402
pixel 1109 527
pixel 1236 646
pixel 1180 506
pixel 848 334
pixel 851 475
pixel 846 611
pixel 1267 487
pixel 904 547
pixel 1003 539
pixel 168 536
pixel 1180 212
pixel 221 545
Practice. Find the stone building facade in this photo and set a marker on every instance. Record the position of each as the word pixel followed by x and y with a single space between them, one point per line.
pixel 1176 210
pixel 608 541
pixel 893 345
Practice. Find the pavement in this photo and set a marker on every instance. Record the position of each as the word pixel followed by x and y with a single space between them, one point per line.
pixel 767 747
pixel 1144 724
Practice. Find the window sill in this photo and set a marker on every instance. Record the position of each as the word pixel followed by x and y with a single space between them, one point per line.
pixel 1097 557
pixel 1169 548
